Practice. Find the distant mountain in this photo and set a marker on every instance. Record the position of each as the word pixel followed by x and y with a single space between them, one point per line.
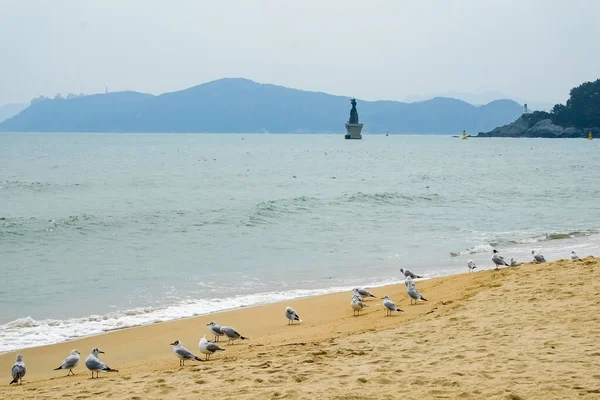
pixel 10 110
pixel 240 105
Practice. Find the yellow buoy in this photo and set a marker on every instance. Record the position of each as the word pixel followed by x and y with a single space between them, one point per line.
pixel 590 135
pixel 464 136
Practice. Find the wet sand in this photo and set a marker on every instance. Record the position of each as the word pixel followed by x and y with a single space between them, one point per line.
pixel 528 332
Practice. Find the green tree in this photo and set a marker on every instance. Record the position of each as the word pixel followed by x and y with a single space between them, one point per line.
pixel 582 110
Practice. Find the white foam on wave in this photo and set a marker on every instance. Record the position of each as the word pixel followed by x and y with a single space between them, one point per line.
pixel 28 332
pixel 480 248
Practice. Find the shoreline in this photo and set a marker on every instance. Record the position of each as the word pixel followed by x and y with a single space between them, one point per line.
pixel 131 318
pixel 235 314
pixel 481 334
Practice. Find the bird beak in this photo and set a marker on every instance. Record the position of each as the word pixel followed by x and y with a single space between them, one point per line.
pixel 172 344
pixel 382 298
pixel 78 352
pixel 101 352
pixel 207 324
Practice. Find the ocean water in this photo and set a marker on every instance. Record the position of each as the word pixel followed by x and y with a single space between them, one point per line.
pixel 105 231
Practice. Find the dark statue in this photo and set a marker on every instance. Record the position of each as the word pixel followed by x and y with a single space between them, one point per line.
pixel 353 113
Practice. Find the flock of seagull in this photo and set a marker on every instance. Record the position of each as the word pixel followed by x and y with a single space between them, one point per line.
pixel 499 260
pixel 208 348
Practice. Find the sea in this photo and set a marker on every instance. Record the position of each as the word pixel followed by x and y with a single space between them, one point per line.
pixel 106 231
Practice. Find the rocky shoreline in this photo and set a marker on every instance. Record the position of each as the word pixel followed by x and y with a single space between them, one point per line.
pixel 528 127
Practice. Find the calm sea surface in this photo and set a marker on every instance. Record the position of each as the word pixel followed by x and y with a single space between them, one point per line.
pixel 103 231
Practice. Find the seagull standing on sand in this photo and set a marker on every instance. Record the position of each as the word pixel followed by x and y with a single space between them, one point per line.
pixel 18 370
pixel 232 334
pixel 70 362
pixel 537 256
pixel 471 265
pixel 292 315
pixel 363 292
pixel 407 273
pixel 389 306
pixel 208 348
pixel 215 330
pixel 357 304
pixel 574 255
pixel 94 364
pixel 498 259
pixel 182 353
pixel 414 294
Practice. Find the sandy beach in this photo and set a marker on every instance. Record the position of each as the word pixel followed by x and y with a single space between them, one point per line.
pixel 526 332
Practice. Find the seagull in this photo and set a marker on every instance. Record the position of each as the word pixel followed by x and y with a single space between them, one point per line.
pixel 408 273
pixel 357 304
pixel 215 330
pixel 498 259
pixel 414 294
pixel 574 255
pixel 208 348
pixel 232 334
pixel 18 370
pixel 363 292
pixel 471 265
pixel 389 306
pixel 292 315
pixel 409 282
pixel 537 256
pixel 94 364
pixel 514 263
pixel 70 362
pixel 182 353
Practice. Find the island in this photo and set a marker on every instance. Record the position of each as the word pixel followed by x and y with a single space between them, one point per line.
pixel 578 118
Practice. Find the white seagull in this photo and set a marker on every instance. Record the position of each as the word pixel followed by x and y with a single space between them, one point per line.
pixel 18 370
pixel 357 304
pixel 292 315
pixel 70 362
pixel 574 255
pixel 208 348
pixel 537 256
pixel 414 294
pixel 215 330
pixel 94 364
pixel 363 292
pixel 407 273
pixel 390 306
pixel 471 265
pixel 498 259
pixel 182 353
pixel 232 334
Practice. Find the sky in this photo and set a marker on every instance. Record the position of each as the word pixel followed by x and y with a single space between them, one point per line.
pixel 531 50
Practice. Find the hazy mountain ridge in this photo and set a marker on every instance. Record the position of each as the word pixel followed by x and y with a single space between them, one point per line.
pixel 241 105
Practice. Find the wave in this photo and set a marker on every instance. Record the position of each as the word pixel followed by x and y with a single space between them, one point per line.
pixel 388 198
pixel 268 211
pixel 488 247
pixel 33 186
pixel 88 223
pixel 480 248
pixel 28 332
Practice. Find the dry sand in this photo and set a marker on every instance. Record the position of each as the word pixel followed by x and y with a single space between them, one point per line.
pixel 529 332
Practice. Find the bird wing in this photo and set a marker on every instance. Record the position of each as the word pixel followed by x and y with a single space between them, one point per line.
pixel 70 362
pixel 94 364
pixel 18 371
pixel 212 347
pixel 185 353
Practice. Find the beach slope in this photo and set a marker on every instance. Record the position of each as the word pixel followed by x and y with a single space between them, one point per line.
pixel 527 332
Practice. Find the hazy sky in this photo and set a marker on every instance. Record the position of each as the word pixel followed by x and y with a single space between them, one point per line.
pixel 530 50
